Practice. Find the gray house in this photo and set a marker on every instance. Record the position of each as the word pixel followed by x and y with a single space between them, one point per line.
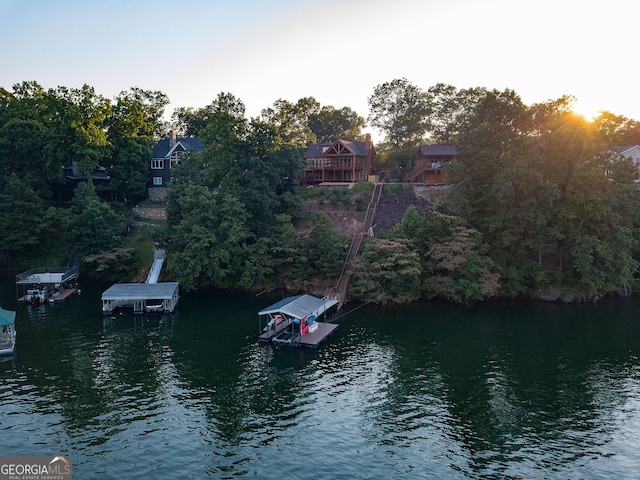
pixel 166 155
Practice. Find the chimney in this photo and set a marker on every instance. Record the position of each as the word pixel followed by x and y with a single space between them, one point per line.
pixel 172 139
pixel 367 141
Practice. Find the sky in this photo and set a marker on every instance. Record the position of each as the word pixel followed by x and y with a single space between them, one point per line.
pixel 336 51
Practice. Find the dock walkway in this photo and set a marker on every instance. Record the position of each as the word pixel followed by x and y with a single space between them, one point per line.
pixel 340 290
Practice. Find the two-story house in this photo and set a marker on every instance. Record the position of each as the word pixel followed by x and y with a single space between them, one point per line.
pixel 166 155
pixel 342 161
pixel 429 162
pixel 73 175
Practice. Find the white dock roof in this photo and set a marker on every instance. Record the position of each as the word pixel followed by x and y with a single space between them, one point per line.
pixel 298 306
pixel 140 291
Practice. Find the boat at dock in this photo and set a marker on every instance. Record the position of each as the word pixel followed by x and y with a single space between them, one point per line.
pixel 294 321
pixel 7 331
pixel 47 284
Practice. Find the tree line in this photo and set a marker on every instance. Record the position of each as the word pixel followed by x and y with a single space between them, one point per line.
pixel 539 197
pixel 542 202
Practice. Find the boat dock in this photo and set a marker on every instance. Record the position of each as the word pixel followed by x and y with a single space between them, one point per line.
pixel 143 297
pixel 7 331
pixel 152 296
pixel 48 284
pixel 293 321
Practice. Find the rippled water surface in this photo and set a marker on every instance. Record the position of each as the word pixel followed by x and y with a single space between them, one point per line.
pixel 501 390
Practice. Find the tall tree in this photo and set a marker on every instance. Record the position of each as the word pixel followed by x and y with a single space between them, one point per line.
pixel 135 122
pixel 399 109
pixel 330 124
pixel 91 226
pixel 22 152
pixel 292 120
pixel 617 130
pixel 207 238
pixel 24 219
pixel 448 108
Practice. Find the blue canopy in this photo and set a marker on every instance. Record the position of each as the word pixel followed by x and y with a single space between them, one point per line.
pixel 7 317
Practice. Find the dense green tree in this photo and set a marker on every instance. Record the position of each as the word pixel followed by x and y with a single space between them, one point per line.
pixel 208 242
pixel 276 256
pixel 137 113
pixel 387 270
pixel 22 152
pixel 292 120
pixel 24 219
pixel 448 109
pixel 324 248
pixel 132 128
pixel 78 127
pixel 452 257
pixel 616 130
pixel 189 122
pixel 237 188
pixel 399 109
pixel 330 124
pixel 91 226
pixel 546 196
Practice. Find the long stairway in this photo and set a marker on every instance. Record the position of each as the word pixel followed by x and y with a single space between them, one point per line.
pixel 340 290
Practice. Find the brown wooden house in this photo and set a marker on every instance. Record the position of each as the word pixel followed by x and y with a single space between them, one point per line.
pixel 339 162
pixel 429 162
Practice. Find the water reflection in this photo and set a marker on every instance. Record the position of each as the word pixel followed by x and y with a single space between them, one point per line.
pixel 493 391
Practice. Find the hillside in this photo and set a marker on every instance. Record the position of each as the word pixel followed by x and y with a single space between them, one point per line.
pixel 396 198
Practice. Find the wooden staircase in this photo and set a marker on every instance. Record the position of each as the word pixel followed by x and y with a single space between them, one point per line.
pixel 416 172
pixel 340 290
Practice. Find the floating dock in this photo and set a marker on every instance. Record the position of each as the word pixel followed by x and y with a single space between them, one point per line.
pixel 293 321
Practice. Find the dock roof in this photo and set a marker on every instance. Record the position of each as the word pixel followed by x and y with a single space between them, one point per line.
pixel 7 317
pixel 298 306
pixel 141 291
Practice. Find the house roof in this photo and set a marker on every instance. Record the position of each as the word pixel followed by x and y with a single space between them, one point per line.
pixel 436 150
pixel 623 149
pixel 316 150
pixel 162 149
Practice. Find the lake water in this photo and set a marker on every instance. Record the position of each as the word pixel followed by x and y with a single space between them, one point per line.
pixel 499 390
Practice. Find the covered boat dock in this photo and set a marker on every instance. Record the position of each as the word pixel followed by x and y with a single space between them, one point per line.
pixel 48 284
pixel 143 297
pixel 293 321
pixel 7 331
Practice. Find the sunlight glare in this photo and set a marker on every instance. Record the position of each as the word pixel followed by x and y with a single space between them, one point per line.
pixel 585 108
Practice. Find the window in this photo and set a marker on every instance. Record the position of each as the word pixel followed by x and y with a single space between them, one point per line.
pixel 175 159
pixel 157 164
pixel 157 180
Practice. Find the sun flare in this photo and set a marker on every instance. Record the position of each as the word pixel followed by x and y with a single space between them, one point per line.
pixel 585 108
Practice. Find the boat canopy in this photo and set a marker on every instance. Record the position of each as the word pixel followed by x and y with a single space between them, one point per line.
pixel 7 317
pixel 299 306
